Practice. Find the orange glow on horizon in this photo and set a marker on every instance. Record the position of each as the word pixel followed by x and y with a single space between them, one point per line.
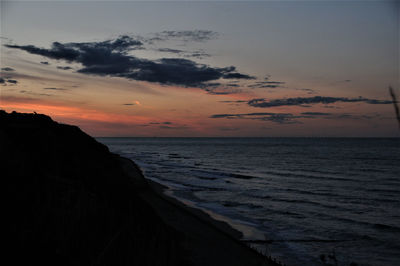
pixel 69 113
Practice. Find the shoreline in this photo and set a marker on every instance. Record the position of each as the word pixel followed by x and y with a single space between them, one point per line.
pixel 256 241
pixel 162 191
pixel 238 229
pixel 191 220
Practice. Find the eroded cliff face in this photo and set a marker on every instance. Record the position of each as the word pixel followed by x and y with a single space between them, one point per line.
pixel 69 201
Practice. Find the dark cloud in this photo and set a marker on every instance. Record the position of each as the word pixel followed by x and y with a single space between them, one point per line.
pixel 270 86
pixel 237 76
pixel 172 71
pixel 169 50
pixel 44 63
pixel 81 52
pixel 311 100
pixel 64 67
pixel 128 104
pixel 58 51
pixel 12 81
pixel 55 89
pixel 110 58
pixel 238 101
pixel 7 81
pixel 7 69
pixel 226 116
pixel 186 36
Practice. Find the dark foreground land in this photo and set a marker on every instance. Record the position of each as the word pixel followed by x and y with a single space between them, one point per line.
pixel 69 201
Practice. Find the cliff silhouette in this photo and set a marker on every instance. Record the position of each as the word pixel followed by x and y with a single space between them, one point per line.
pixel 69 201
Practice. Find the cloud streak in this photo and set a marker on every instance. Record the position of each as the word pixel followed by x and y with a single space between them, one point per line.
pixel 64 67
pixel 263 103
pixel 197 54
pixel 289 118
pixel 280 118
pixel 185 36
pixel 55 89
pixel 267 84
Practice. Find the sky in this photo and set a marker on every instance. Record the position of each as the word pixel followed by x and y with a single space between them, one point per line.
pixel 204 68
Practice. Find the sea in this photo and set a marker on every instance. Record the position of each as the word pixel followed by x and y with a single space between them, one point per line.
pixel 303 201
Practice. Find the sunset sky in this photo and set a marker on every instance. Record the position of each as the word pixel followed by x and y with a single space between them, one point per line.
pixel 204 69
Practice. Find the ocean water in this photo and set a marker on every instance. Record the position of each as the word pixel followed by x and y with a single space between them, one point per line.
pixel 313 198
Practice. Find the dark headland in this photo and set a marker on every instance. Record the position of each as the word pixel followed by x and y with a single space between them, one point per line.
pixel 69 201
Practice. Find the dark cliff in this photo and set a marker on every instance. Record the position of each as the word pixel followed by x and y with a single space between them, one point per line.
pixel 69 201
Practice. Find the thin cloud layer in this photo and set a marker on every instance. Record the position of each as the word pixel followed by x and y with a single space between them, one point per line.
pixel 111 58
pixel 263 103
pixel 55 89
pixel 196 54
pixel 280 118
pixel 185 35
pixel 266 84
pixel 289 118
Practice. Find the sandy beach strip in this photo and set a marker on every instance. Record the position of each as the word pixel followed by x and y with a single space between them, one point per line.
pixel 207 241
